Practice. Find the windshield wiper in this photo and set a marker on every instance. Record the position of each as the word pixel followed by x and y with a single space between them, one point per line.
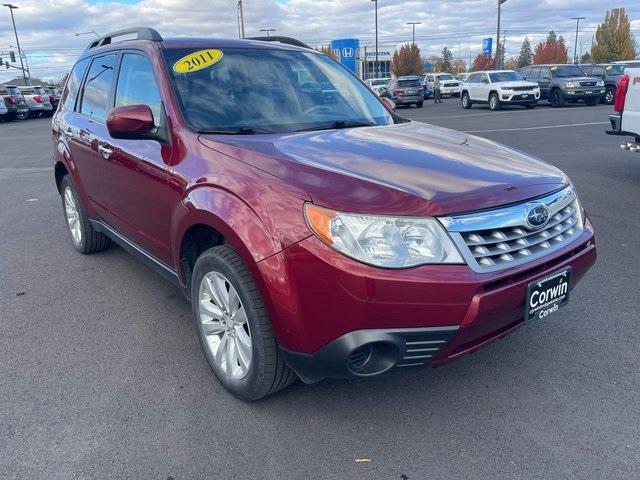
pixel 237 131
pixel 337 125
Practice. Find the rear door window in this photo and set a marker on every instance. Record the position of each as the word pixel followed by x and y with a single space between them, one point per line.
pixel 72 87
pixel 137 84
pixel 95 96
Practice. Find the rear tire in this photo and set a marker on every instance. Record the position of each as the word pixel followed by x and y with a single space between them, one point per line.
pixel 84 238
pixel 556 98
pixel 234 328
pixel 609 95
pixel 466 101
pixel 494 102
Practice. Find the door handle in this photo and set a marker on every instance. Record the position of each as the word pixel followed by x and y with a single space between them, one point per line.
pixel 106 152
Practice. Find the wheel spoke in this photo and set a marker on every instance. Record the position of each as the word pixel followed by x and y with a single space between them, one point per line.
pixel 234 300
pixel 240 317
pixel 222 348
pixel 212 327
pixel 210 309
pixel 244 357
pixel 231 359
pixel 217 291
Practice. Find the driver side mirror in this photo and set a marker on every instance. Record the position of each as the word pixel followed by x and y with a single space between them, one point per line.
pixel 131 122
pixel 390 104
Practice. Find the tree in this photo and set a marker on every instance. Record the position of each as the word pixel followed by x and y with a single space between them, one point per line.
pixel 458 66
pixel 526 56
pixel 614 40
pixel 407 61
pixel 552 50
pixel 330 52
pixel 447 59
pixel 483 61
pixel 585 58
pixel 511 63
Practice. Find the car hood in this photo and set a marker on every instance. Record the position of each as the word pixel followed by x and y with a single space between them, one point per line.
pixel 409 168
pixel 517 83
pixel 577 79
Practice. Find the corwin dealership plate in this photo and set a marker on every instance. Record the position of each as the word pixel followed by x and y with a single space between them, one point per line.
pixel 547 295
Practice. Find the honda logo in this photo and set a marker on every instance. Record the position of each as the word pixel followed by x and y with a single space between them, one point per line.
pixel 347 52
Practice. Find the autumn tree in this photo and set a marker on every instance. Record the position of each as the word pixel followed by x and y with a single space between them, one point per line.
pixel 526 56
pixel 614 40
pixel 447 59
pixel 484 61
pixel 458 66
pixel 552 50
pixel 407 61
pixel 330 52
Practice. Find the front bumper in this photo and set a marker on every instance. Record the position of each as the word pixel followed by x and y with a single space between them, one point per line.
pixel 583 93
pixel 520 98
pixel 325 306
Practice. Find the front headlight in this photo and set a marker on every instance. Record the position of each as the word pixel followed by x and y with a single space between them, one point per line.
pixel 381 240
pixel 571 84
pixel 600 83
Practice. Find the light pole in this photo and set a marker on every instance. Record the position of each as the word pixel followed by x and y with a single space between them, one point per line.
pixel 11 9
pixel 267 30
pixel 376 64
pixel 240 19
pixel 413 35
pixel 575 47
pixel 498 59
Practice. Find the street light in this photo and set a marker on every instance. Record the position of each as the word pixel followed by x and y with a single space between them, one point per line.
pixel 90 32
pixel 267 30
pixel 240 19
pixel 575 47
pixel 15 31
pixel 498 59
pixel 376 67
pixel 413 25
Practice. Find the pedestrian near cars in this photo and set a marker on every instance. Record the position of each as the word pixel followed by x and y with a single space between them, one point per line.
pixel 437 97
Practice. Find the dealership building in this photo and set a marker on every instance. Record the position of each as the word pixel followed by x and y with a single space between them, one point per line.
pixel 361 59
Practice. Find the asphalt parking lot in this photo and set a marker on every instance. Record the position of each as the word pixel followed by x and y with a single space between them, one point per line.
pixel 101 373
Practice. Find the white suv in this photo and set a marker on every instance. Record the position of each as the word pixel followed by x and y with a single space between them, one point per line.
pixel 497 88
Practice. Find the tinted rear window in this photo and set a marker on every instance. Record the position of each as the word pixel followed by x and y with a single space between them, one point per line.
pixel 408 83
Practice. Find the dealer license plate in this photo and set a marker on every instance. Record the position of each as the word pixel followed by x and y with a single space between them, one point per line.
pixel 547 295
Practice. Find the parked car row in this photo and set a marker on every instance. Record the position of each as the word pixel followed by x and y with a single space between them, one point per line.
pixel 19 103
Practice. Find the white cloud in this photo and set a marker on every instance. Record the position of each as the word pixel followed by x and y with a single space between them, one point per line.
pixel 47 27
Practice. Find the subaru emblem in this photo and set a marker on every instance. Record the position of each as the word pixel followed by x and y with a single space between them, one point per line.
pixel 538 216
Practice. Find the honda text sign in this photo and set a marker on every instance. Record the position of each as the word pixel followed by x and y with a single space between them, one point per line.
pixel 487 45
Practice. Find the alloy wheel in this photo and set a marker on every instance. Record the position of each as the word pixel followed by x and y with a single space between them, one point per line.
pixel 223 320
pixel 609 96
pixel 73 216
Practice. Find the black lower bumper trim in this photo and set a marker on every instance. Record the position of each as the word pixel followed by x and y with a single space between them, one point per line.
pixel 388 348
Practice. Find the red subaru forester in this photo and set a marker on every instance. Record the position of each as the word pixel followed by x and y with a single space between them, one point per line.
pixel 316 232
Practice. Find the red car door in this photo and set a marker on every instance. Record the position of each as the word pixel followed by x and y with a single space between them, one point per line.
pixel 136 171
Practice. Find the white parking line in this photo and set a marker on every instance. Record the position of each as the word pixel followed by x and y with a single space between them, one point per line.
pixel 536 128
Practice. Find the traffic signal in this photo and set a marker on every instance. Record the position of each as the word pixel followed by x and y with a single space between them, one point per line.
pixel 12 56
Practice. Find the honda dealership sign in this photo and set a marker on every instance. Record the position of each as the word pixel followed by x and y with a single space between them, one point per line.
pixel 487 45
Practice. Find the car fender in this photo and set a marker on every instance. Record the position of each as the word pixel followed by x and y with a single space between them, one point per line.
pixel 219 209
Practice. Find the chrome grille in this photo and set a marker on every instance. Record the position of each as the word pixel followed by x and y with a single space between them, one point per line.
pixel 502 238
pixel 525 88
pixel 587 84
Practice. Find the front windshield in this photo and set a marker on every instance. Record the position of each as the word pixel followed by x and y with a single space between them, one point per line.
pixel 505 77
pixel 445 76
pixel 561 71
pixel 269 90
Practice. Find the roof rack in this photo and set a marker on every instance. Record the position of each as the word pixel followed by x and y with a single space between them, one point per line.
pixel 285 40
pixel 143 33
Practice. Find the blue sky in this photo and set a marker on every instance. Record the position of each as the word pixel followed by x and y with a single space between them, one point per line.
pixel 47 27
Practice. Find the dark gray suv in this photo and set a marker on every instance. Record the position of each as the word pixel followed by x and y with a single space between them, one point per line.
pixel 564 83
pixel 610 73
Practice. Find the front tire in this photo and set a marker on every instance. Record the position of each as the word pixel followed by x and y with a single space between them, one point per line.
pixel 84 238
pixel 494 102
pixel 466 101
pixel 556 98
pixel 234 328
